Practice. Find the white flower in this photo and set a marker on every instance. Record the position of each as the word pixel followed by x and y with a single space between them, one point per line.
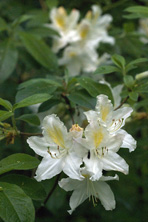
pixel 93 28
pixel 56 148
pixel 79 59
pixel 65 25
pixel 143 29
pixel 97 190
pixel 100 151
pixel 112 119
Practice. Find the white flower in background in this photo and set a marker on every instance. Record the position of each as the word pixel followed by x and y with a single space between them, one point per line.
pixel 93 28
pixel 56 148
pixel 66 26
pixel 78 59
pixel 143 29
pixel 95 190
pixel 141 75
pixel 112 119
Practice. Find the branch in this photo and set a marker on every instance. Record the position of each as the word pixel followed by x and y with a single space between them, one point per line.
pixel 122 103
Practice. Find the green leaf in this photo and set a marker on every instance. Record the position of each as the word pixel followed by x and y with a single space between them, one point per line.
pixel 118 60
pixel 94 88
pixel 106 69
pixel 5 115
pixel 48 104
pixel 15 205
pixel 129 81
pixel 8 60
pixel 30 118
pixel 31 187
pixel 6 104
pixel 18 161
pixel 31 100
pixel 39 50
pixel 43 31
pixel 82 98
pixel 142 88
pixel 137 9
pixel 132 64
pixel 3 24
pixel 30 88
pixel 133 96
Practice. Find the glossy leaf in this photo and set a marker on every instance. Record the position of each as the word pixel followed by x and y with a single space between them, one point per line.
pixel 94 88
pixel 30 186
pixel 35 99
pixel 6 104
pixel 39 50
pixel 106 70
pixel 48 104
pixel 8 60
pixel 129 81
pixel 18 161
pixel 30 118
pixel 82 98
pixel 118 60
pixel 133 96
pixel 15 205
pixel 5 115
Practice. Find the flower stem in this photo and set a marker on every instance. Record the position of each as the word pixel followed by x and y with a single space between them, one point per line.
pixel 122 103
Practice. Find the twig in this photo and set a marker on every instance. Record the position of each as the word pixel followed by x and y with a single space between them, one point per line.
pixel 122 103
pixel 51 192
pixel 69 105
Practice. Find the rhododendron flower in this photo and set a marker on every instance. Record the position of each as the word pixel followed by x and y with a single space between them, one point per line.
pixel 66 26
pixel 102 149
pixel 112 119
pixel 56 148
pixel 95 190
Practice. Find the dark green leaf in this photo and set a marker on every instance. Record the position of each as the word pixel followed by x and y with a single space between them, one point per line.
pixel 48 104
pixel 137 9
pixel 6 104
pixel 133 96
pixel 30 118
pixel 132 64
pixel 94 88
pixel 43 31
pixel 106 69
pixel 39 50
pixel 8 60
pixel 18 161
pixel 129 81
pixel 3 24
pixel 118 60
pixel 35 99
pixel 142 88
pixel 82 98
pixel 5 115
pixel 31 187
pixel 37 86
pixel 15 205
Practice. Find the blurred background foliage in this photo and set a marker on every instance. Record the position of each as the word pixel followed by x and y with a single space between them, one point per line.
pixel 131 192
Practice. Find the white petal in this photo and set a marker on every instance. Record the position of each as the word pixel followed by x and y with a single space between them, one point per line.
pixel 116 94
pixel 112 161
pixel 93 166
pixel 72 166
pixel 108 178
pixel 78 196
pixel 114 142
pixel 39 145
pixel 54 130
pixel 69 184
pixel 48 168
pixel 91 116
pixel 128 141
pixel 105 195
pixel 124 113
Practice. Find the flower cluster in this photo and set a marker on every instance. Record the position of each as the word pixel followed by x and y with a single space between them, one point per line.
pixel 83 154
pixel 80 39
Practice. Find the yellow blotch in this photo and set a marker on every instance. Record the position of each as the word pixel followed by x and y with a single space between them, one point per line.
pixel 56 136
pixel 98 137
pixel 60 17
pixel 104 112
pixel 76 127
pixel 84 31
